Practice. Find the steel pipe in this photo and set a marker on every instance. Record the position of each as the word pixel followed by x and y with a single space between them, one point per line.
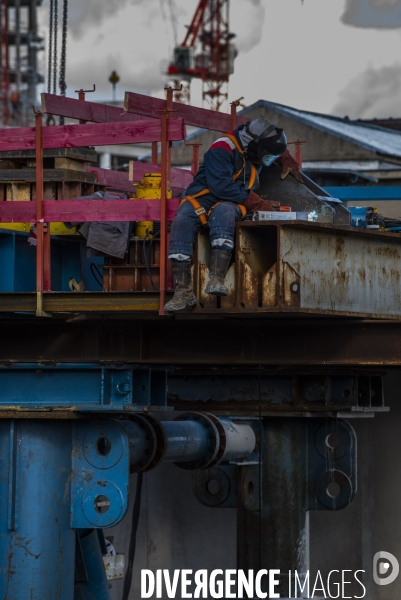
pixel 187 441
pixel 192 441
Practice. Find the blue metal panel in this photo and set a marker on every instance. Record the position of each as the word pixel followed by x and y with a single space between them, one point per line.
pixel 18 260
pixel 7 254
pixel 65 262
pixel 90 283
pixel 365 192
pixel 68 260
pixel 37 545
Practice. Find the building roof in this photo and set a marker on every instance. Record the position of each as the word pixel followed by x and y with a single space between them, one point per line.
pixel 371 137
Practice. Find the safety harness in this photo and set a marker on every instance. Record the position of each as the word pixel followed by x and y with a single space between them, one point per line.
pixel 199 210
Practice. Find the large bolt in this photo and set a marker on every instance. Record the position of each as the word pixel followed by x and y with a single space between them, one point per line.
pixel 124 387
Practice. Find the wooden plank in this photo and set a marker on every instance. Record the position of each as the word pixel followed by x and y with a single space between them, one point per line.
pixel 85 111
pixel 69 163
pixel 87 210
pixel 19 192
pixel 179 178
pixel 16 175
pixel 92 134
pixel 198 117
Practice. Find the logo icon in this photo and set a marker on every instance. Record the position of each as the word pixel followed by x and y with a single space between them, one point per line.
pixel 385 564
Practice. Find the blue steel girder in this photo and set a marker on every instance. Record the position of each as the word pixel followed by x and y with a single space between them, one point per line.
pixel 83 387
pixel 365 192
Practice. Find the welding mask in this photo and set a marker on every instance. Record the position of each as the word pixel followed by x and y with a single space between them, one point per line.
pixel 265 150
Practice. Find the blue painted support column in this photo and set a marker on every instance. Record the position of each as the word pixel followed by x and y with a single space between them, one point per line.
pixel 37 544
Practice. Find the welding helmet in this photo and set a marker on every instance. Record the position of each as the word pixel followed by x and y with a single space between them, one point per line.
pixel 268 146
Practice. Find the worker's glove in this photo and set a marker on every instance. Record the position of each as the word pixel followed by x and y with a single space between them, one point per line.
pixel 255 202
pixel 289 165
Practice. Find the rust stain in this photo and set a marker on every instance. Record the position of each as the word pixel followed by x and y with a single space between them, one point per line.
pixel 339 248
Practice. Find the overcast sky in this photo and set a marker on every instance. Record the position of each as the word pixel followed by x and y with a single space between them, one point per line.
pixel 333 56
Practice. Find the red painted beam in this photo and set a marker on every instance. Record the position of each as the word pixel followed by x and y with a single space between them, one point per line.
pixel 121 180
pixel 87 210
pixel 116 180
pixel 85 111
pixel 198 117
pixel 92 134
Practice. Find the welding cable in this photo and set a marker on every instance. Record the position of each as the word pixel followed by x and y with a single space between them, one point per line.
pixel 96 273
pixel 147 260
pixel 134 528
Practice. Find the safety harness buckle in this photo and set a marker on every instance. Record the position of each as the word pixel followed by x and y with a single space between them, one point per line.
pixel 199 211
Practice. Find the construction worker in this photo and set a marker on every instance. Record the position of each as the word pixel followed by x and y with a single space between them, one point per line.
pixel 221 193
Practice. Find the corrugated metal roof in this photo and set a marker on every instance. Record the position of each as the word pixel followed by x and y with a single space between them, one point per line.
pixel 371 137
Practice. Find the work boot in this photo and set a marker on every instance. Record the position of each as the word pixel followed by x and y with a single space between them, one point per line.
pixel 183 295
pixel 219 262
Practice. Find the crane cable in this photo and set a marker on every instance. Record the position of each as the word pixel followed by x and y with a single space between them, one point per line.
pixel 52 64
pixel 62 83
pixel 55 31
pixel 52 59
pixel 49 61
pixel 63 59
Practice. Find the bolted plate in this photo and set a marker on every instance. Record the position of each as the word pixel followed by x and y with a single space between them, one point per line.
pixel 103 445
pixel 102 503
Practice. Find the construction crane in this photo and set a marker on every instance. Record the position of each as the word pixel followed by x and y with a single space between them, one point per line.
pixel 207 53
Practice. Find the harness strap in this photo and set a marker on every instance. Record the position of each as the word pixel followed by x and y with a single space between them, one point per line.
pixel 199 210
pixel 254 170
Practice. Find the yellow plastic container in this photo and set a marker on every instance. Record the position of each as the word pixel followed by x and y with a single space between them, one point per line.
pixel 149 188
pixel 55 228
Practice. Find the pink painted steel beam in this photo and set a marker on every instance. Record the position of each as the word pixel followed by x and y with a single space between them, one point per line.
pixel 116 180
pixel 84 111
pixel 87 210
pixel 92 134
pixel 197 117
pixel 121 180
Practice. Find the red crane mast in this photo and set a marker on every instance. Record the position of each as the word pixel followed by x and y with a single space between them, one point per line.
pixel 206 53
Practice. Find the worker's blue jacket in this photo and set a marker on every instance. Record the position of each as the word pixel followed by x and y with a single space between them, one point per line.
pixel 220 163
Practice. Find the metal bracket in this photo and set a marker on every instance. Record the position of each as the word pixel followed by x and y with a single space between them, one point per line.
pixel 332 470
pixel 100 474
pixel 220 486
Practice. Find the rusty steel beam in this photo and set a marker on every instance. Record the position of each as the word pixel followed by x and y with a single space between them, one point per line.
pixel 239 342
